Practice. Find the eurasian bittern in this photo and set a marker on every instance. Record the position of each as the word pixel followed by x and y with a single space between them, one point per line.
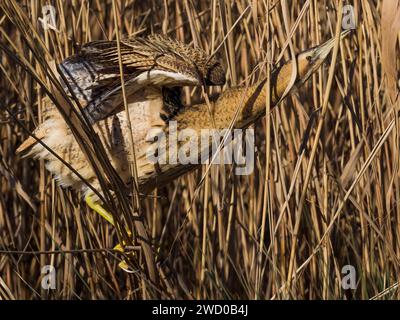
pixel 147 106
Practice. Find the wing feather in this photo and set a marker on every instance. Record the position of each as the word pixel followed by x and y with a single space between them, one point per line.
pixel 94 74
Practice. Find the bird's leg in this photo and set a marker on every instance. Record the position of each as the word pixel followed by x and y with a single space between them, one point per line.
pixel 98 208
pixel 95 206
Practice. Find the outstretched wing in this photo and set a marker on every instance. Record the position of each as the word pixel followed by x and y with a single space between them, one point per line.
pixel 94 74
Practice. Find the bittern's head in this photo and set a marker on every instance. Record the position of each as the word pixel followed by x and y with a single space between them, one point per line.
pixel 186 61
pixel 309 61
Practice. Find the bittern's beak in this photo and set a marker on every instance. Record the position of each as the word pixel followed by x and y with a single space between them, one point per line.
pixel 309 61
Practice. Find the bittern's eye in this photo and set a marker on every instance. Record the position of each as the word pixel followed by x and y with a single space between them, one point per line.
pixel 309 59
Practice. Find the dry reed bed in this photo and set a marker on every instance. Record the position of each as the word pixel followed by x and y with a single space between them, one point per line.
pixel 267 235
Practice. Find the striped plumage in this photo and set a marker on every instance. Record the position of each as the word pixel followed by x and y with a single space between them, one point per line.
pixel 94 74
pixel 154 70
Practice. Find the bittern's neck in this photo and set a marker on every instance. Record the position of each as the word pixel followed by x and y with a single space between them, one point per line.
pixel 251 102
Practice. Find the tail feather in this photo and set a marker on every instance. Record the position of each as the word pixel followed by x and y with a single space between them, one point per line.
pixel 30 142
pixel 48 111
